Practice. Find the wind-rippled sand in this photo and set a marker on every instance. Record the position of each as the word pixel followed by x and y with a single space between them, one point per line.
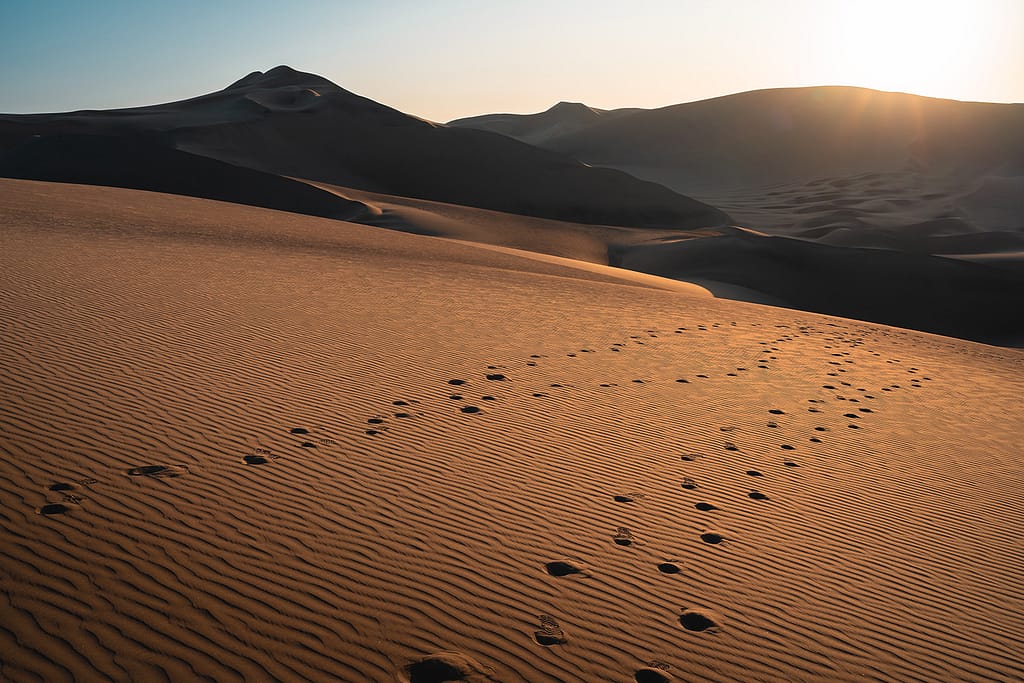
pixel 240 444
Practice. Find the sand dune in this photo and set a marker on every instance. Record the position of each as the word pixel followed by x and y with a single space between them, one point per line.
pixel 919 291
pixel 786 135
pixel 242 444
pixel 827 271
pixel 562 119
pixel 368 163
pixel 794 159
pixel 295 124
pixel 140 164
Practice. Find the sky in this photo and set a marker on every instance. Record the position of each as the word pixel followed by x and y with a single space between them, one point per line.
pixel 443 59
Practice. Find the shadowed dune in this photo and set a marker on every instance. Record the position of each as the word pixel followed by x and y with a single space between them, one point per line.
pixel 790 160
pixel 785 135
pixel 365 162
pixel 296 124
pixel 142 165
pixel 919 291
pixel 562 119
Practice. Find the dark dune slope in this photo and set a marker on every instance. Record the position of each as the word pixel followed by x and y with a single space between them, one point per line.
pixel 296 124
pixel 929 293
pixel 142 165
pixel 793 134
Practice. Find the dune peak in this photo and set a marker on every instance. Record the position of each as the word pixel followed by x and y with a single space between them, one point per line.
pixel 282 76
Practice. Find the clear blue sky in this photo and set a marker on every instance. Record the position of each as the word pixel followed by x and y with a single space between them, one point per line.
pixel 448 58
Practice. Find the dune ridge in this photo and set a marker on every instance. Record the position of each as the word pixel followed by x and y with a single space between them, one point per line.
pixel 214 466
pixel 291 123
pixel 799 161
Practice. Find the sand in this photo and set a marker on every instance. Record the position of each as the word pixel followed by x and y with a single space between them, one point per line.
pixel 286 122
pixel 829 172
pixel 885 207
pixel 241 444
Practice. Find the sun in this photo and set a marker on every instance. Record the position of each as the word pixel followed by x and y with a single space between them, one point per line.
pixel 928 47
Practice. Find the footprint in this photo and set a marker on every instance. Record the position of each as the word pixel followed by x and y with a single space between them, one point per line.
pixel 754 473
pixel 61 486
pixel 669 568
pixel 627 497
pixel 623 536
pixel 53 509
pixel 550 633
pixel 688 483
pixel 446 666
pixel 690 457
pixel 497 377
pixel 298 430
pixel 652 674
pixel 757 495
pixel 456 382
pixel 712 538
pixel 159 471
pixel 469 409
pixel 255 460
pixel 705 507
pixel 698 620
pixel 563 568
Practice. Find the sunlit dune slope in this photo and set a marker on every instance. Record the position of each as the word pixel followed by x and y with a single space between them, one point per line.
pixel 243 444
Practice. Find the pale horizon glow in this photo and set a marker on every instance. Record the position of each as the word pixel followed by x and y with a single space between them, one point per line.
pixel 453 58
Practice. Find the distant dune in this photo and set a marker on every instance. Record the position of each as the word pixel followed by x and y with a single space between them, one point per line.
pixel 895 208
pixel 919 291
pixel 792 160
pixel 296 124
pixel 564 118
pixel 788 135
pixel 248 445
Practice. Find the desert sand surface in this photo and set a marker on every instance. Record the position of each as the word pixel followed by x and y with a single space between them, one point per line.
pixel 246 444
pixel 840 167
pixel 885 207
pixel 981 300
